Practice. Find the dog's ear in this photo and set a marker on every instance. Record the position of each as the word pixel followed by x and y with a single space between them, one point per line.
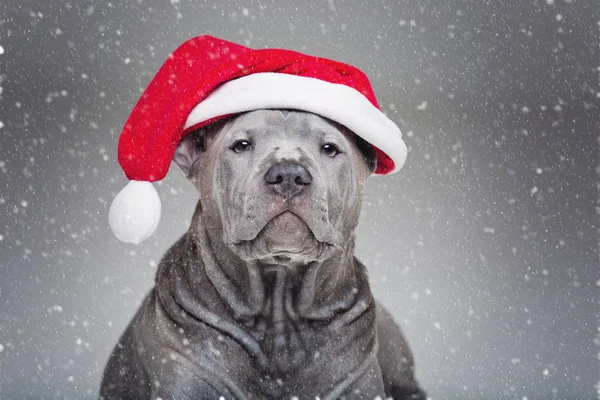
pixel 189 149
pixel 193 144
pixel 367 152
pixel 366 149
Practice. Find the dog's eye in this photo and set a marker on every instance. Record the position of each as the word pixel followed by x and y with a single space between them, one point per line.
pixel 241 146
pixel 330 150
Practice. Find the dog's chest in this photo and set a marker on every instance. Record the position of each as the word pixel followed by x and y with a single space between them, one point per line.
pixel 287 344
pixel 288 341
pixel 292 349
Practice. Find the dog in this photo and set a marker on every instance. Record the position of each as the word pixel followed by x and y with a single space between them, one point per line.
pixel 263 298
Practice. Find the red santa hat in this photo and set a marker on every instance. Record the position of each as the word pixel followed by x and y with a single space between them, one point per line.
pixel 207 79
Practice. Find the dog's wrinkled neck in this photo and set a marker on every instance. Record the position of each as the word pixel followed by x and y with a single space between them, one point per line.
pixel 281 315
pixel 314 290
pixel 280 307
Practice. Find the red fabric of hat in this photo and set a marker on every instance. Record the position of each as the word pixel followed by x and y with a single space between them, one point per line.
pixel 155 126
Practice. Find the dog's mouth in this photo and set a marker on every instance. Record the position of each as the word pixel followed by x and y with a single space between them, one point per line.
pixel 287 222
pixel 286 225
pixel 286 236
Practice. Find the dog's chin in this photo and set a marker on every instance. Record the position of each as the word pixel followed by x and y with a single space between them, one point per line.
pixel 286 238
pixel 285 231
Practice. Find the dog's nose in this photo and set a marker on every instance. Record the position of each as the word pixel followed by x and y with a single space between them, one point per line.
pixel 288 179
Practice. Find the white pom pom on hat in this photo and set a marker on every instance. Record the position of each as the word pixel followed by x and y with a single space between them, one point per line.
pixel 206 79
pixel 135 212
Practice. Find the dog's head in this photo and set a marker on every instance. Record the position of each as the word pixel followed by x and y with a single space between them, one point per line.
pixel 278 185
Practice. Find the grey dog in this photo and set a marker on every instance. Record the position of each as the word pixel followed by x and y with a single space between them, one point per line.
pixel 262 298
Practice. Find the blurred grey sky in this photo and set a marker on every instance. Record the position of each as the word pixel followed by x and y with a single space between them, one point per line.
pixel 485 246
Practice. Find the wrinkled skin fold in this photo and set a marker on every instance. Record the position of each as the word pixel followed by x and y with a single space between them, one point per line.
pixel 262 298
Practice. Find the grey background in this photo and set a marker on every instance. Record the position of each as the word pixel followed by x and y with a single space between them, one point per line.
pixel 485 246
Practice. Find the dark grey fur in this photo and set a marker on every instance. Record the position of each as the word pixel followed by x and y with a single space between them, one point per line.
pixel 263 298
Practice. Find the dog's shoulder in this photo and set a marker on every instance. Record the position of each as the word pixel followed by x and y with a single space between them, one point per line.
pixel 181 249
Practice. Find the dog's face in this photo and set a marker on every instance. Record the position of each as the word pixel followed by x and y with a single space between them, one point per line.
pixel 278 185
